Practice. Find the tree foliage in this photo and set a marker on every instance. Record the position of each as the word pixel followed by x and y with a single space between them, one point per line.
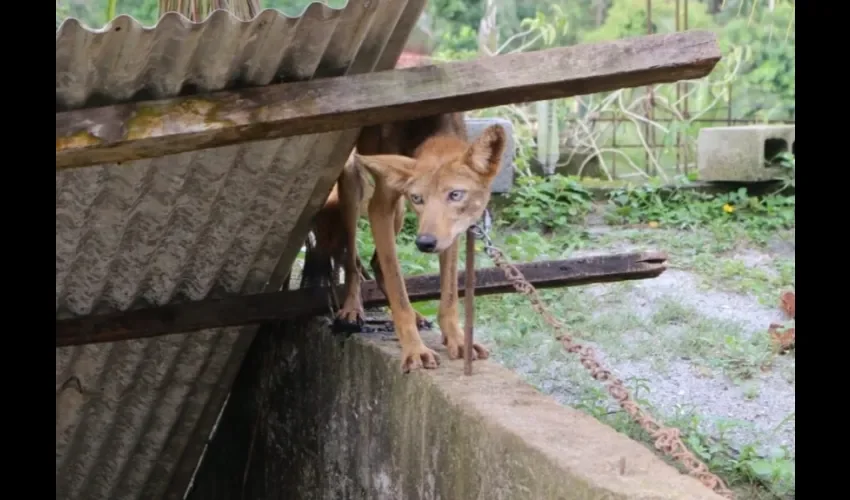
pixel 628 18
pixel 769 70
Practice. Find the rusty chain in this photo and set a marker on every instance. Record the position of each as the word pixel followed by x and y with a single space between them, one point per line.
pixel 665 439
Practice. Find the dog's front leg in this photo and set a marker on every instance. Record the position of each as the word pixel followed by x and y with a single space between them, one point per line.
pixel 421 321
pixel 381 214
pixel 448 313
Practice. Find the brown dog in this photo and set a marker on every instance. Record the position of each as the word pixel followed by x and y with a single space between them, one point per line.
pixel 447 180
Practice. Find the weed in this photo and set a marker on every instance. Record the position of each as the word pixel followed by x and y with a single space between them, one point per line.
pixel 748 472
pixel 786 161
pixel 680 208
pixel 751 391
pixel 549 202
pixel 721 344
pixel 745 469
pixel 728 255
pixel 672 312
pixel 763 280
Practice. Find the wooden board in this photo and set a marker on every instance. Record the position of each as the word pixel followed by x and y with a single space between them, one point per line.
pixel 130 131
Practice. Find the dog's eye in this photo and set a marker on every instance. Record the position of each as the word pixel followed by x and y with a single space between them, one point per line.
pixel 457 195
pixel 415 199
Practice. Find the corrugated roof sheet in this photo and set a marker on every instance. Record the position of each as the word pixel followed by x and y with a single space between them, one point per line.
pixel 132 417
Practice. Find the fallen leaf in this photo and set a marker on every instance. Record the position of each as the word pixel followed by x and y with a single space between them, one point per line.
pixel 788 303
pixel 783 339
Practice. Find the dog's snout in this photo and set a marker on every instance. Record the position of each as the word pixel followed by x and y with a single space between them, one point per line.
pixel 426 243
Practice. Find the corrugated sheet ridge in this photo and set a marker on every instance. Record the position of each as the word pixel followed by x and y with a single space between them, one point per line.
pixel 235 47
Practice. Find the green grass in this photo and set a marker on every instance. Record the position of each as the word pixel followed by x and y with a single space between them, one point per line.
pixel 719 345
pixel 718 254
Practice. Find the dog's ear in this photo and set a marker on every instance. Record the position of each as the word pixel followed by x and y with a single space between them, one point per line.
pixel 484 156
pixel 393 170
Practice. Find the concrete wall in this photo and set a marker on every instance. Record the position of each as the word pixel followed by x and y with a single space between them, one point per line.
pixel 335 419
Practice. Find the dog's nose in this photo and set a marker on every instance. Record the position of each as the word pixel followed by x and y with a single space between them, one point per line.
pixel 426 243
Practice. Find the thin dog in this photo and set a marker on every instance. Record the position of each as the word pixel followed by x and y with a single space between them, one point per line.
pixel 430 163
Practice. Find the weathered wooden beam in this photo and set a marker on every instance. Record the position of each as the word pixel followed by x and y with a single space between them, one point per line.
pixel 276 306
pixel 150 129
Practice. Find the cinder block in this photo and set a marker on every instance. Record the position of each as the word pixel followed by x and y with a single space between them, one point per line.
pixel 505 180
pixel 741 153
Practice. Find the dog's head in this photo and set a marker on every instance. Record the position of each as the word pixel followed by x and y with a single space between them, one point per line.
pixel 448 184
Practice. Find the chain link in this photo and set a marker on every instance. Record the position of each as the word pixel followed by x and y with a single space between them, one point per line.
pixel 665 439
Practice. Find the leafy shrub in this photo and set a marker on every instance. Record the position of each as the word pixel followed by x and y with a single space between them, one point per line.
pixel 627 18
pixel 549 202
pixel 686 209
pixel 768 74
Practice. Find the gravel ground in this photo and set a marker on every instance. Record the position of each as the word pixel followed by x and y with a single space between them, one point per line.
pixel 676 382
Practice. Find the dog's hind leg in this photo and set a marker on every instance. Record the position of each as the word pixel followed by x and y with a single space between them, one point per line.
pixel 350 193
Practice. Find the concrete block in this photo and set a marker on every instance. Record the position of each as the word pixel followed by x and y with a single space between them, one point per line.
pixel 740 153
pixel 505 180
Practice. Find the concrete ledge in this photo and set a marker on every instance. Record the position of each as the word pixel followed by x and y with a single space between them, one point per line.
pixel 341 421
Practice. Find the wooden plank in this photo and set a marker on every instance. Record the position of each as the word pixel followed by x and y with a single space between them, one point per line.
pixel 277 306
pixel 130 131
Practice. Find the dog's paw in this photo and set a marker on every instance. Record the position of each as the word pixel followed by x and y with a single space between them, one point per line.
pixel 353 315
pixel 418 356
pixel 456 349
pixel 349 320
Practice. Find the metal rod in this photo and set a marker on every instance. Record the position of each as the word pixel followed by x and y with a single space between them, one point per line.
pixel 469 302
pixel 678 99
pixel 647 128
pixel 686 114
